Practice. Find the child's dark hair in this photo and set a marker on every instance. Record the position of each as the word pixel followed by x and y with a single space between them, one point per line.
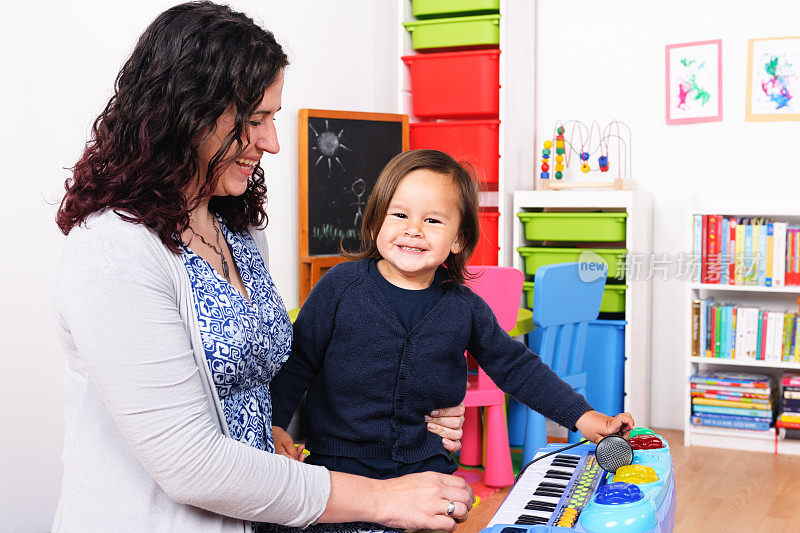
pixel 398 168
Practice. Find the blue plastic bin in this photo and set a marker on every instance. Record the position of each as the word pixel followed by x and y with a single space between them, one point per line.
pixel 604 364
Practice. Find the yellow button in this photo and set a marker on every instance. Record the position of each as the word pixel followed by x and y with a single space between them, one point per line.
pixel 636 474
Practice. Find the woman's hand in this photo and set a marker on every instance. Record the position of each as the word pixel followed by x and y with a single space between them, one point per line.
pixel 422 501
pixel 594 425
pixel 447 424
pixel 284 445
pixel 414 501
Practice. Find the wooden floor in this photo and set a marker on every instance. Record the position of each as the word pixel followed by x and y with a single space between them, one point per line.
pixel 722 491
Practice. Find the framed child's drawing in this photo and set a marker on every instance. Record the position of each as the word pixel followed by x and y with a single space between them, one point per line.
pixel 773 79
pixel 694 82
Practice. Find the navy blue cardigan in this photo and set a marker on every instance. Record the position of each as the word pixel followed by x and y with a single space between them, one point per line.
pixel 370 382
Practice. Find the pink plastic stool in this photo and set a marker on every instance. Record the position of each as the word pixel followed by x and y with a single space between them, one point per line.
pixel 501 288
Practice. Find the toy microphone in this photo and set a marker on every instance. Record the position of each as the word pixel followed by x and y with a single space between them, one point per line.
pixel 613 452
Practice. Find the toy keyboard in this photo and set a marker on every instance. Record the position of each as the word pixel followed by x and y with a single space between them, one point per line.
pixel 570 492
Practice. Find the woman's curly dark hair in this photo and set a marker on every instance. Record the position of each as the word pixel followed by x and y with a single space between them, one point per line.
pixel 189 65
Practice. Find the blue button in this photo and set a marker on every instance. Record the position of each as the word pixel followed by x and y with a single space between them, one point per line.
pixel 618 493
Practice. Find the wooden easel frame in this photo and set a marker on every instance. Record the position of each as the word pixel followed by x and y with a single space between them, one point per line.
pixel 311 268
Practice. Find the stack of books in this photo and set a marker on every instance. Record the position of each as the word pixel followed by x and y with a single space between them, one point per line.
pixel 732 400
pixel 746 251
pixel 746 333
pixel 790 403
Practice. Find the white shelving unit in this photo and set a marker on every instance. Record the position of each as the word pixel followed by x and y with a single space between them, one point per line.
pixel 778 298
pixel 517 150
pixel 638 298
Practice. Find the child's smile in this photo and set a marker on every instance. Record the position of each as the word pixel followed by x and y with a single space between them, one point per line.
pixel 420 230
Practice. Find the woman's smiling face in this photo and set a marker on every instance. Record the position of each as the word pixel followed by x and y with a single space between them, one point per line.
pixel 263 137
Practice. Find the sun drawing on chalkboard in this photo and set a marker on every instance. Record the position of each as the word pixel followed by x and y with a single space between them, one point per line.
pixel 328 145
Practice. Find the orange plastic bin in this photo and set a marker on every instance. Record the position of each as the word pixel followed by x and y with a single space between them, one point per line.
pixel 475 141
pixel 455 84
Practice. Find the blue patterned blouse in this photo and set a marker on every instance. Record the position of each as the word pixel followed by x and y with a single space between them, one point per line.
pixel 246 342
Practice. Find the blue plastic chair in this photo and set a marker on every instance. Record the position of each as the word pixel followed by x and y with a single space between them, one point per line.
pixel 566 297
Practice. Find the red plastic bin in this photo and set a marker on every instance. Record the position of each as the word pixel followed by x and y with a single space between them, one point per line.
pixel 475 141
pixel 455 84
pixel 486 251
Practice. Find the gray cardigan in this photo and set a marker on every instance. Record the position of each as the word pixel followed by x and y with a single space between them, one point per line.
pixel 146 446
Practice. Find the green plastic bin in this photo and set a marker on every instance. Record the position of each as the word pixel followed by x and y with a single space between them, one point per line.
pixel 592 227
pixel 448 8
pixel 456 31
pixel 534 257
pixel 613 297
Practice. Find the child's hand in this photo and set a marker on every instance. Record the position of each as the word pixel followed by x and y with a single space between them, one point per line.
pixel 594 425
pixel 284 445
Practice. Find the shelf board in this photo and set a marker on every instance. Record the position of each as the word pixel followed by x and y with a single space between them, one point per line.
pixel 791 289
pixel 729 432
pixel 745 362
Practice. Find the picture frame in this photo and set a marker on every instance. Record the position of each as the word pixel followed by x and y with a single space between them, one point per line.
pixel 694 82
pixel 773 79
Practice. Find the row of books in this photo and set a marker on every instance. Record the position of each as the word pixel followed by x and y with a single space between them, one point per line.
pixel 733 400
pixel 747 333
pixel 789 416
pixel 746 251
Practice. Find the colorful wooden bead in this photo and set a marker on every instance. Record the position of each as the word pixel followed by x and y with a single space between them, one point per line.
pixel 603 162
pixel 584 156
pixel 546 152
pixel 584 168
pixel 559 175
pixel 548 144
pixel 545 167
pixel 559 158
pixel 545 175
pixel 559 145
pixel 559 167
pixel 560 130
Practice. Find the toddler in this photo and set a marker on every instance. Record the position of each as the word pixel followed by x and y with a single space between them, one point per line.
pixel 380 341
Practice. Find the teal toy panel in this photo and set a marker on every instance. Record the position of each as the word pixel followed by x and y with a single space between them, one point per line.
pixel 568 491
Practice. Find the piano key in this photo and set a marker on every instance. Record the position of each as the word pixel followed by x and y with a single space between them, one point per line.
pixel 553 485
pixel 553 475
pixel 564 464
pixel 528 519
pixel 550 500
pixel 540 507
pixel 542 485
pixel 550 492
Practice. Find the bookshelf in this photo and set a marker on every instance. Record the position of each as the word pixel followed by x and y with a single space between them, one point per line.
pixel 638 297
pixel 781 298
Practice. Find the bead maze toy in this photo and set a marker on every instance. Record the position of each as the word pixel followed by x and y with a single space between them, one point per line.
pixel 613 137
pixel 568 491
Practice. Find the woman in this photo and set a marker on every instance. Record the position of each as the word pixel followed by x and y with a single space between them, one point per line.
pixel 170 320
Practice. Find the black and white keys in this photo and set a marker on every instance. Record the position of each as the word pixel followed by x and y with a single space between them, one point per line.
pixel 535 496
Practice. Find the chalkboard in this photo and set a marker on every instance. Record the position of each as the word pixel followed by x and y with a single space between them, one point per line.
pixel 341 155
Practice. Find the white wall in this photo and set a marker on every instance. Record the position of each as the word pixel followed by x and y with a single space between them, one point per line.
pixel 58 62
pixel 605 60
